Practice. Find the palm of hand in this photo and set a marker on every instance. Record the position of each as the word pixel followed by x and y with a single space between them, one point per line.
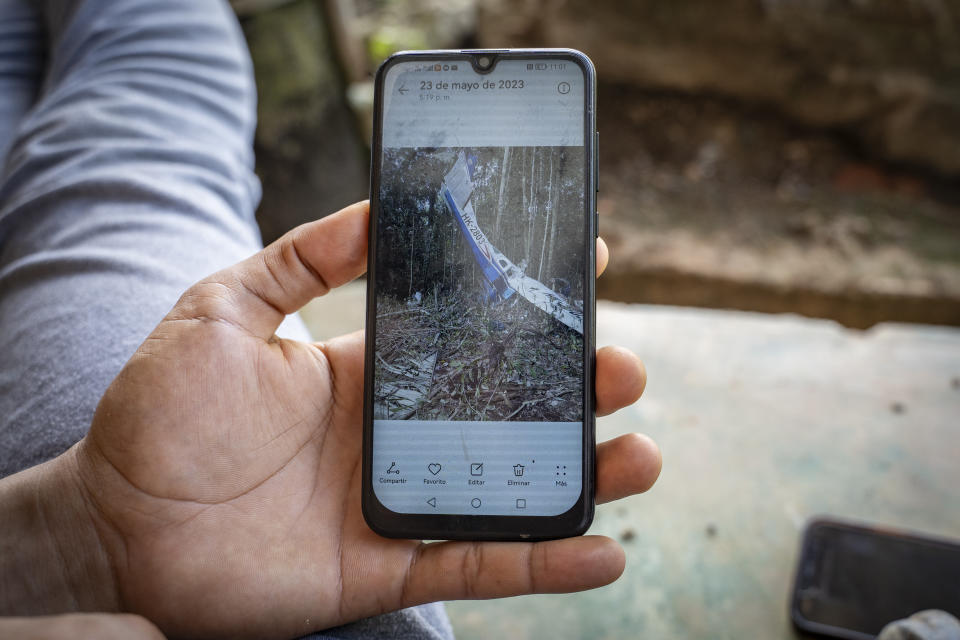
pixel 244 507
pixel 223 468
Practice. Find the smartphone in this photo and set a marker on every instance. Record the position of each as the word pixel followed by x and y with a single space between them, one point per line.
pixel 852 580
pixel 479 402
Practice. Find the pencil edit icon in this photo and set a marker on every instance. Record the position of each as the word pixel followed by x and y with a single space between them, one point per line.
pixel 518 470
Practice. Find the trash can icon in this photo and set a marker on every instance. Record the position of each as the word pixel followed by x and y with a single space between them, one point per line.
pixel 518 470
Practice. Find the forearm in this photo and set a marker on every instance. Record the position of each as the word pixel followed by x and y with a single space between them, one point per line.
pixel 51 559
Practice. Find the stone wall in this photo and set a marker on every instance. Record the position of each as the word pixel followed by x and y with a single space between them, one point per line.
pixel 886 72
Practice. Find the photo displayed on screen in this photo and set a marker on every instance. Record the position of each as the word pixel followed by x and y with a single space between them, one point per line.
pixel 479 280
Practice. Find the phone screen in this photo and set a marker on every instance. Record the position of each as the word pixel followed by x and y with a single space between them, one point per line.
pixel 479 392
pixel 860 579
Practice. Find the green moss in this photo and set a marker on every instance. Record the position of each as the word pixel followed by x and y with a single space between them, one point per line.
pixel 294 64
pixel 388 40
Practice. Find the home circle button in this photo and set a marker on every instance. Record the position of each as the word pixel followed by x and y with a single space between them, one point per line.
pixel 475 503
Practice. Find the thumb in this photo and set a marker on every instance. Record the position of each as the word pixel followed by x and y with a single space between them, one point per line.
pixel 304 263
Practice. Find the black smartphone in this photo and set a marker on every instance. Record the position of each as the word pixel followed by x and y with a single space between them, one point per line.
pixel 479 409
pixel 852 580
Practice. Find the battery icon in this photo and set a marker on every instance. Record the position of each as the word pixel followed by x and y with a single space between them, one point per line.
pixel 541 66
pixel 453 67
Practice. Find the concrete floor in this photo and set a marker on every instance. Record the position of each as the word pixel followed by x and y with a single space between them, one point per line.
pixel 764 421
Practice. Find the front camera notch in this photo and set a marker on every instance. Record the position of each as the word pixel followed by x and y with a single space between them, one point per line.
pixel 483 62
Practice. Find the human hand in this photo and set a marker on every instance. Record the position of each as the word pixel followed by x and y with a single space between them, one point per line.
pixel 222 470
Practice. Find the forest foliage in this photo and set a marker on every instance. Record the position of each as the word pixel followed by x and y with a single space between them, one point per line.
pixel 528 201
pixel 444 350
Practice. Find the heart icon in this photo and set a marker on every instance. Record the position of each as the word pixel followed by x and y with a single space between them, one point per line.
pixel 434 468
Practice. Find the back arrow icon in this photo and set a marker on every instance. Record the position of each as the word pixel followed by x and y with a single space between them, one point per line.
pixel 432 502
pixel 403 89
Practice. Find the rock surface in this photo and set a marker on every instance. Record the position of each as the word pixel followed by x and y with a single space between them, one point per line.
pixel 704 204
pixel 886 72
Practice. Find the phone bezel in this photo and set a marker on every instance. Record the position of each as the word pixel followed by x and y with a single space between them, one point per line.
pixel 578 518
pixel 807 555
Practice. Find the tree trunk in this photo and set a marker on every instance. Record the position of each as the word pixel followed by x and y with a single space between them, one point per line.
pixel 553 227
pixel 546 222
pixel 504 174
pixel 532 212
pixel 523 208
pixel 413 235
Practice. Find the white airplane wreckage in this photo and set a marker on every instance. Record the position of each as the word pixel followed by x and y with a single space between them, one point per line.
pixel 501 274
